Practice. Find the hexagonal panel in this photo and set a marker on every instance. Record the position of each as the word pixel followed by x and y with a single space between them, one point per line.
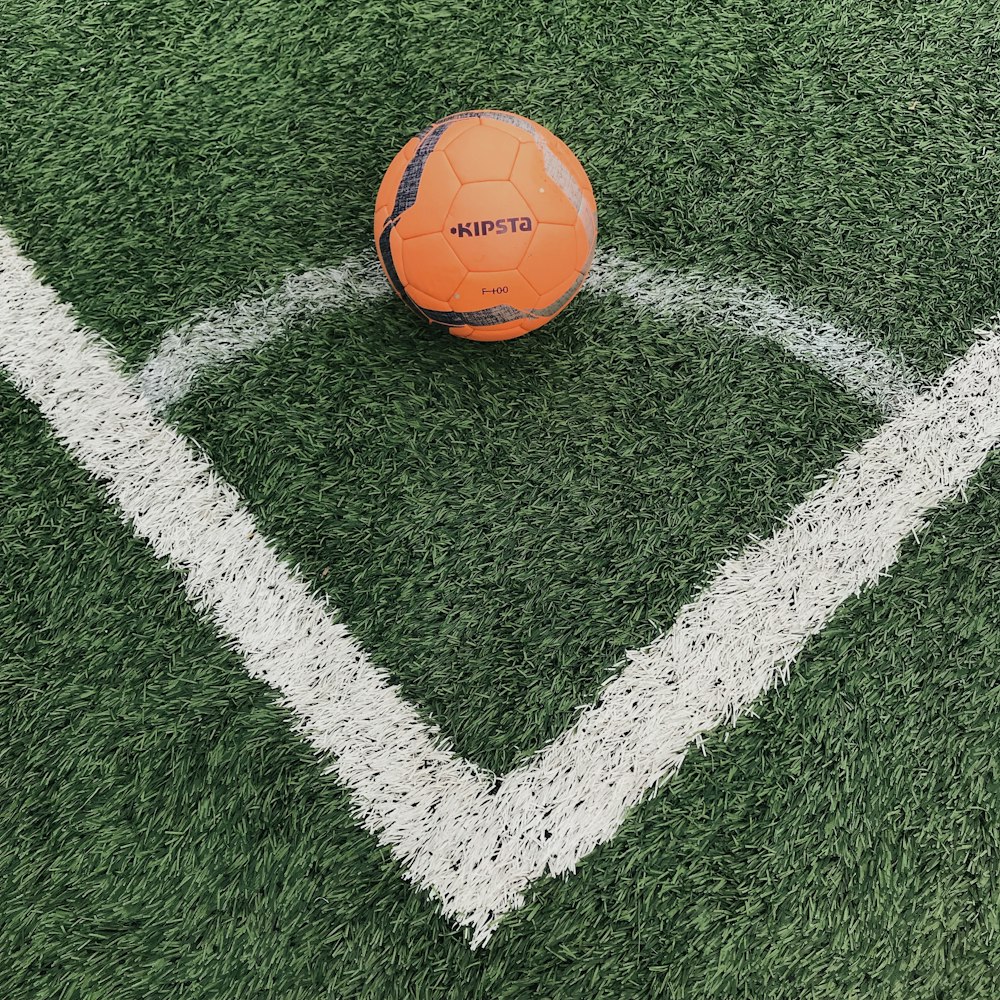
pixel 396 249
pixel 431 266
pixel 551 260
pixel 571 162
pixel 482 290
pixel 489 226
pixel 584 245
pixel 547 201
pixel 504 331
pixel 482 154
pixel 437 190
pixel 381 218
pixel 390 180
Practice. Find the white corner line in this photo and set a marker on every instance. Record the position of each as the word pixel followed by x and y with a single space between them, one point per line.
pixel 845 358
pixel 475 841
pixel 217 336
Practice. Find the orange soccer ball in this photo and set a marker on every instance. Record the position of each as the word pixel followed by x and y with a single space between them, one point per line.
pixel 485 223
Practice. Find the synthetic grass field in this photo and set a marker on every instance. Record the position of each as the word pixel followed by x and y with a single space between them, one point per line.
pixel 497 525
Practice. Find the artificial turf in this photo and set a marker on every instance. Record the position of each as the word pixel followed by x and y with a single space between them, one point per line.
pixel 498 524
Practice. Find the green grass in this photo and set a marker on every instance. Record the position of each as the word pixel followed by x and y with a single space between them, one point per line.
pixel 536 511
pixel 165 833
pixel 498 523
pixel 159 154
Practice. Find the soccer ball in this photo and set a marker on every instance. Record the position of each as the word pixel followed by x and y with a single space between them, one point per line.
pixel 485 223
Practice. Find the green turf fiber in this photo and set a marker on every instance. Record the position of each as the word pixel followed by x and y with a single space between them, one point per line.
pixel 498 523
pixel 165 835
pixel 159 155
pixel 536 512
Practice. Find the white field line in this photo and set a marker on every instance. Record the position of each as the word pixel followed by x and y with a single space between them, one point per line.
pixel 843 357
pixel 221 335
pixel 217 336
pixel 474 841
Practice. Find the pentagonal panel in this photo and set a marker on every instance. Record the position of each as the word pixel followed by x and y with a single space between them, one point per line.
pixel 424 301
pixel 482 154
pixel 489 226
pixel 551 260
pixel 511 124
pixel 543 195
pixel 456 128
pixel 437 187
pixel 431 265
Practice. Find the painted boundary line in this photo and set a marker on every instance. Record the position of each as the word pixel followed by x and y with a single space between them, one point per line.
pixel 474 841
pixel 221 335
pixel 216 336
pixel 845 358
